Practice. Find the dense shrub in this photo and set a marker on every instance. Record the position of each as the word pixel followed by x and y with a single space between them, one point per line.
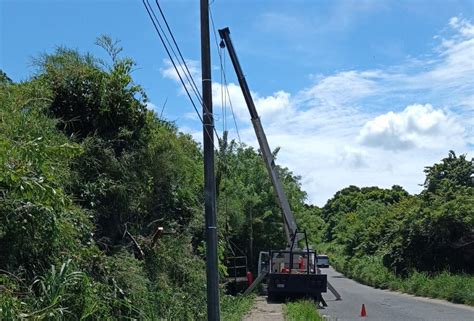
pixel 87 175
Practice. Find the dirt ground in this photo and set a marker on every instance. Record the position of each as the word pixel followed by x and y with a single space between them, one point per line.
pixel 263 310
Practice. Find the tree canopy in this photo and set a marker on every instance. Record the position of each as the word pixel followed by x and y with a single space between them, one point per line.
pixel 432 231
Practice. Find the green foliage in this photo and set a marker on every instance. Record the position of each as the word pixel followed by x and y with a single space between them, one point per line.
pixel 54 289
pixel 62 293
pixel 441 228
pixel 38 220
pixel 389 223
pixel 371 271
pixel 90 100
pixel 309 219
pixel 304 310
pixel 349 199
pixel 420 244
pixel 452 172
pixel 87 175
pixel 4 79
pixel 234 308
pixel 250 218
pixel 10 304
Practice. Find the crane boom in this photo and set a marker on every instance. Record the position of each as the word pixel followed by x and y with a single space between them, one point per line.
pixel 288 281
pixel 288 217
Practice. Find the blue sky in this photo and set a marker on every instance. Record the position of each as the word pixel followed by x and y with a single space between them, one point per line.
pixel 354 92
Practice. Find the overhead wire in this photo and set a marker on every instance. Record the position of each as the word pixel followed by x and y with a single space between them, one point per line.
pixel 174 54
pixel 149 10
pixel 225 94
pixel 164 40
pixel 183 61
pixel 193 84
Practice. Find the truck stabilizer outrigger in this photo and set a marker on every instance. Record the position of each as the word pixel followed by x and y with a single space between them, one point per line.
pixel 293 271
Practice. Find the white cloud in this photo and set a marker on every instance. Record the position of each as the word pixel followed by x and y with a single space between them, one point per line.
pixel 170 72
pixel 340 131
pixel 454 68
pixel 278 103
pixel 465 27
pixel 193 67
pixel 267 106
pixel 343 87
pixel 353 157
pixel 416 126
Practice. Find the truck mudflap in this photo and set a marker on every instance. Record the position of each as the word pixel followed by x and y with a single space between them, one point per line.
pixel 297 284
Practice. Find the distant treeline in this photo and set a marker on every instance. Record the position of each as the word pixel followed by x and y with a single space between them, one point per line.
pixel 422 244
pixel 432 231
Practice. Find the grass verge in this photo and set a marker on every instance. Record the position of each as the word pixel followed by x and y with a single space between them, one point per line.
pixel 304 310
pixel 457 288
pixel 234 308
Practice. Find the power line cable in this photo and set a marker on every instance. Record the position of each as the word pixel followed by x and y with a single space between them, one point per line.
pixel 158 27
pixel 222 75
pixel 146 4
pixel 182 61
pixel 177 47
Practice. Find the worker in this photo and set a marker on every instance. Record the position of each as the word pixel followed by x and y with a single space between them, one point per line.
pixel 301 263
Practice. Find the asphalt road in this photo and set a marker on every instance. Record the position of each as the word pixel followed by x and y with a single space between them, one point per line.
pixel 383 305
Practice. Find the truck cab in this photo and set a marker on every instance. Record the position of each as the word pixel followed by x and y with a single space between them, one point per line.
pixel 322 261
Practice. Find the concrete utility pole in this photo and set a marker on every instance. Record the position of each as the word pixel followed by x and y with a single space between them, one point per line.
pixel 213 311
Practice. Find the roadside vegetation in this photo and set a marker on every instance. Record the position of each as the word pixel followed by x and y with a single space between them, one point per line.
pixel 420 244
pixel 304 310
pixel 457 288
pixel 89 175
pixel 234 308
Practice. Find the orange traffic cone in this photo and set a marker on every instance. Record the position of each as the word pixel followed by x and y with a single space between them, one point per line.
pixel 362 311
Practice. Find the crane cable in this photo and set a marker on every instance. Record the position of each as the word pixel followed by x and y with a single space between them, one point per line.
pixel 223 74
pixel 225 97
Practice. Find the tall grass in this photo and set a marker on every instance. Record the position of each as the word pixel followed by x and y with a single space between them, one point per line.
pixel 66 293
pixel 304 310
pixel 235 308
pixel 457 288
